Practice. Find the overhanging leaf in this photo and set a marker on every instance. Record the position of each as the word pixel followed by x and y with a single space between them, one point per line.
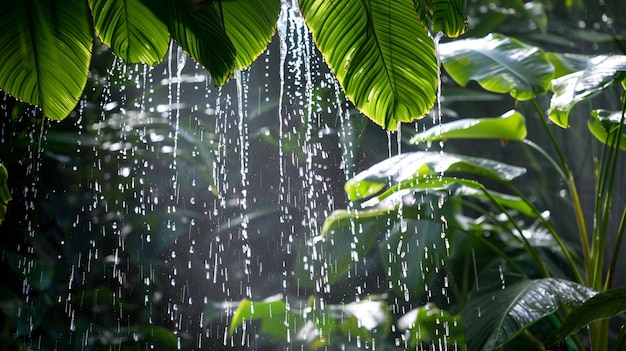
pixel 200 32
pixel 447 16
pixel 415 165
pixel 493 317
pixel 605 124
pixel 46 50
pixel 601 306
pixel 380 53
pixel 509 126
pixel 499 64
pixel 131 30
pixel 250 26
pixel 603 72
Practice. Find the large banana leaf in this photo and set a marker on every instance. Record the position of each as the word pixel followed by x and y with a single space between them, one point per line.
pixel 380 53
pixel 250 25
pixel 494 316
pixel 131 30
pixel 45 55
pixel 603 305
pixel 509 126
pixel 499 64
pixel 412 166
pixel 603 72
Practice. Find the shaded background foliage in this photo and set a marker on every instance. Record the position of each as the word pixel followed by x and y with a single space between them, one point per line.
pixel 69 285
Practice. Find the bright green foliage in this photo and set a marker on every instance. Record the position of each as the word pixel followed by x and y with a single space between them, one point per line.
pixel 603 305
pixel 249 19
pixel 446 16
pixel 5 194
pixel 499 64
pixel 46 50
pixel 605 126
pixel 603 72
pixel 416 165
pixel 429 324
pixel 509 126
pixel 380 53
pixel 565 64
pixel 132 32
pixel 494 316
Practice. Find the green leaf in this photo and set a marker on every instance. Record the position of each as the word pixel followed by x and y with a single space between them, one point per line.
pixel 447 16
pixel 565 64
pixel 380 53
pixel 605 124
pixel 429 323
pixel 601 306
pixel 499 64
pixel 250 26
pixel 131 30
pixel 200 32
pixel 494 316
pixel 416 165
pixel 46 50
pixel 5 194
pixel 509 126
pixel 276 319
pixel 347 236
pixel 603 72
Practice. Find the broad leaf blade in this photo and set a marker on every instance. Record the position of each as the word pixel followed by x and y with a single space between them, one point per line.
pixel 447 16
pixel 492 318
pixel 381 55
pixel 603 72
pixel 274 315
pixel 415 165
pixel 131 30
pixel 499 64
pixel 46 50
pixel 565 64
pixel 250 26
pixel 200 32
pixel 509 126
pixel 601 306
pixel 606 124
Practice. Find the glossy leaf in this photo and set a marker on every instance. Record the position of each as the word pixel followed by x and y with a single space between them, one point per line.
pixel 430 323
pixel 447 16
pixel 200 32
pixel 415 165
pixel 509 126
pixel 607 123
pixel 380 53
pixel 46 51
pixel 250 26
pixel 603 72
pixel 565 64
pixel 601 306
pixel 5 194
pixel 274 315
pixel 499 64
pixel 493 317
pixel 131 30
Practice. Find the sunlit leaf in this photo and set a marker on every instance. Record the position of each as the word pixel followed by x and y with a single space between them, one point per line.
pixel 5 194
pixel 499 64
pixel 430 323
pixel 510 126
pixel 45 55
pixel 494 316
pixel 603 72
pixel 380 53
pixel 605 124
pixel 601 306
pixel 200 32
pixel 447 16
pixel 565 64
pixel 250 26
pixel 415 165
pixel 274 315
pixel 131 30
